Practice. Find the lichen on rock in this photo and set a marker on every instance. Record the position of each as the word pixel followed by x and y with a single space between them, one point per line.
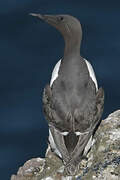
pixel 103 161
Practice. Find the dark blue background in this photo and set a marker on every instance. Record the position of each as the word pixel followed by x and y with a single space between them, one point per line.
pixel 29 50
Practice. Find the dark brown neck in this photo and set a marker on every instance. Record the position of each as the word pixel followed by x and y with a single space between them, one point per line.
pixel 72 46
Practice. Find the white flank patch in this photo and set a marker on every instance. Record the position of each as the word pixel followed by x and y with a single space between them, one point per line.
pixel 55 72
pixel 88 146
pixel 53 145
pixel 92 73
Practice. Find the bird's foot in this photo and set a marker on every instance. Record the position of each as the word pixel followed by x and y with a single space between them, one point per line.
pixel 71 169
pixel 85 158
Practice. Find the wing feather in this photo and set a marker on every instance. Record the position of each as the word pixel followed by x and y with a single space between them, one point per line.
pixel 86 121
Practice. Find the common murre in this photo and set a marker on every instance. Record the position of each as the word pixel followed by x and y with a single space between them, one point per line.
pixel 73 104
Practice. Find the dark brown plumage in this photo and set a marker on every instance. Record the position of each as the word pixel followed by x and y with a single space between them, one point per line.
pixel 72 105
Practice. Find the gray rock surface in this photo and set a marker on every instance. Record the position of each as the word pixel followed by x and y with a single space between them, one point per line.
pixel 103 161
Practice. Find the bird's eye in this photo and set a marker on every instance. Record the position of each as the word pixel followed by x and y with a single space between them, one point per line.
pixel 61 18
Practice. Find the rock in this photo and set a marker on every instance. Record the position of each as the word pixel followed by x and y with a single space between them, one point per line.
pixel 103 161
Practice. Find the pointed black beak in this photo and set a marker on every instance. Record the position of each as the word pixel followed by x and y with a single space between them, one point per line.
pixel 37 15
pixel 50 19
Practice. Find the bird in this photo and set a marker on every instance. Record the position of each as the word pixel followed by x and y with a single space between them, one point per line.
pixel 72 102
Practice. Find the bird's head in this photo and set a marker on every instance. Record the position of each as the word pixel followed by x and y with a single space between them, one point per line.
pixel 66 24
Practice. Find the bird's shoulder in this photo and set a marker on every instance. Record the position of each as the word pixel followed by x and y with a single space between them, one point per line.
pixel 55 72
pixel 91 73
pixel 56 69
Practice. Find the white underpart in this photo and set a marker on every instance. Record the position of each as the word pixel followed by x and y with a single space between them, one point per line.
pixel 55 72
pixel 88 146
pixel 92 73
pixel 53 145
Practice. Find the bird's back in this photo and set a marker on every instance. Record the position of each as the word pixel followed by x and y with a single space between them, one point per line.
pixel 73 106
pixel 74 95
